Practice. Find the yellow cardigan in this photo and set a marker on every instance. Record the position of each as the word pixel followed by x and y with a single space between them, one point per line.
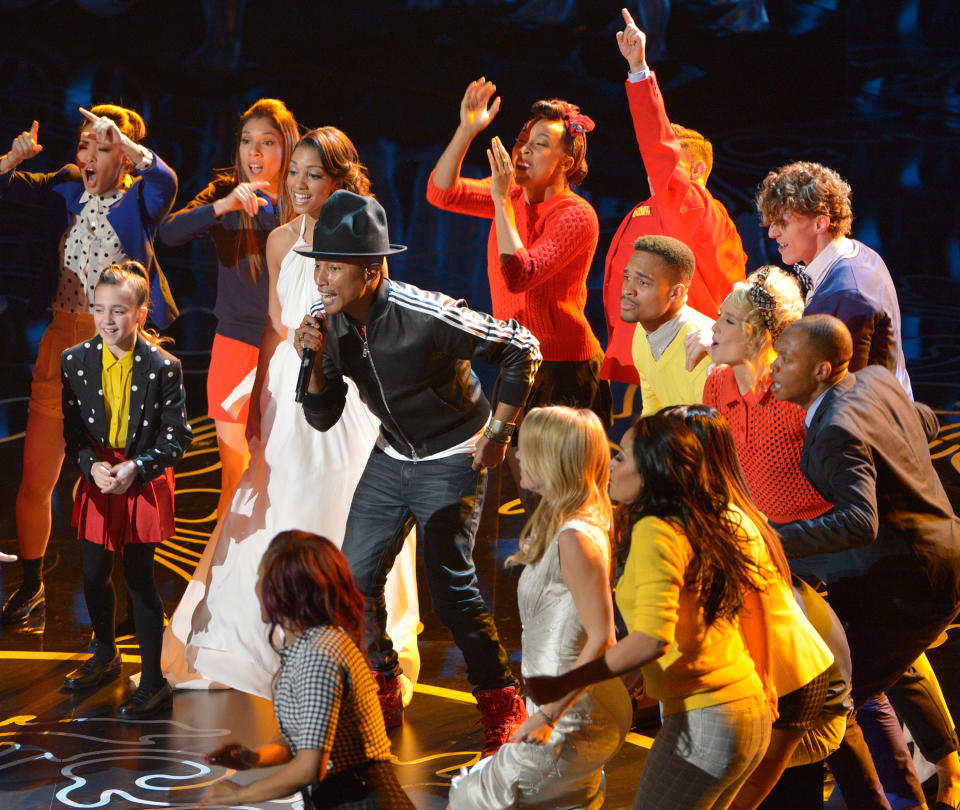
pixel 701 666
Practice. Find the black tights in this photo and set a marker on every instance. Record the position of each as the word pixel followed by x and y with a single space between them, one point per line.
pixel 147 607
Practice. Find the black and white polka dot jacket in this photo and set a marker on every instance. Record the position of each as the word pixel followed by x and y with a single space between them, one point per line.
pixel 158 433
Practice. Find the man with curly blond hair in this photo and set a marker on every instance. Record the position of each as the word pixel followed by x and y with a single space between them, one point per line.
pixel 806 207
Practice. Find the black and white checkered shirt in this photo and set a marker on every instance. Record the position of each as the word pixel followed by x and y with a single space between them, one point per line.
pixel 326 699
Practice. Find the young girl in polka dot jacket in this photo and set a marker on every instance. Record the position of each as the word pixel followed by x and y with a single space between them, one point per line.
pixel 125 423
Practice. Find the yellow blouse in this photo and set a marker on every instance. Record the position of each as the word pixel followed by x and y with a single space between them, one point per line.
pixel 117 373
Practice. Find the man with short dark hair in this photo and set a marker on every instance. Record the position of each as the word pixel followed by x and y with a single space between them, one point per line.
pixel 678 162
pixel 655 284
pixel 409 353
pixel 889 549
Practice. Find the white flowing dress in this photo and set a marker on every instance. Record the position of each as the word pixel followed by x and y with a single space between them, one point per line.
pixel 298 478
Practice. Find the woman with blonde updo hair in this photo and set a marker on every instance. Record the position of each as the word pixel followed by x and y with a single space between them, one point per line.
pixel 767 432
pixel 567 613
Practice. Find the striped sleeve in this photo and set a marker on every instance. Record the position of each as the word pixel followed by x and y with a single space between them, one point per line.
pixel 466 334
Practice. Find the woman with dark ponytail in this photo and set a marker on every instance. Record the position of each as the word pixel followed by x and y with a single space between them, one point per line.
pixel 237 210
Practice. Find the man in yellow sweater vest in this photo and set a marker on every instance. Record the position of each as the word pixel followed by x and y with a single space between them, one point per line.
pixel 655 284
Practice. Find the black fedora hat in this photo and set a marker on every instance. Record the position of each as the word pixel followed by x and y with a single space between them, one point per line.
pixel 351 225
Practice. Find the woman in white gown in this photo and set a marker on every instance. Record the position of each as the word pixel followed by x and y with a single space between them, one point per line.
pixel 298 477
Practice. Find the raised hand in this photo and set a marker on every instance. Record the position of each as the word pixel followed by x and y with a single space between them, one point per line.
pixel 242 198
pixel 633 43
pixel 102 129
pixel 476 109
pixel 24 147
pixel 501 170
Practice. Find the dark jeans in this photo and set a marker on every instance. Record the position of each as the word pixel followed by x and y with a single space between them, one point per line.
pixel 445 497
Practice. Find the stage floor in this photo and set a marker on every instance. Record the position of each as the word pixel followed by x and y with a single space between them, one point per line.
pixel 60 749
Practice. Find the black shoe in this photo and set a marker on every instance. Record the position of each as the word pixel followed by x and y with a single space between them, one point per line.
pixel 144 703
pixel 92 672
pixel 19 606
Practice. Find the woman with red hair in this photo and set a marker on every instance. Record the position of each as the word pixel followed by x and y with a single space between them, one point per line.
pixel 334 748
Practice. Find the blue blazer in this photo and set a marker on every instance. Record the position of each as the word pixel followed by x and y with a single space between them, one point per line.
pixel 859 291
pixel 135 218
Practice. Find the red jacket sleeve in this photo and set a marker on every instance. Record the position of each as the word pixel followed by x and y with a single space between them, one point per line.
pixel 690 212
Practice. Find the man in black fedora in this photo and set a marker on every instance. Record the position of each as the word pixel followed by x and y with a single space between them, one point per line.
pixel 409 353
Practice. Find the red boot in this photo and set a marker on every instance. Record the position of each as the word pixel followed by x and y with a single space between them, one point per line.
pixel 502 710
pixel 391 701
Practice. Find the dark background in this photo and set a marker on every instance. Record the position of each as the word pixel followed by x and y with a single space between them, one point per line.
pixel 869 88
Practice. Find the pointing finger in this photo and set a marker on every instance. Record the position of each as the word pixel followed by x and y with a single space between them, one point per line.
pixel 627 17
pixel 34 130
pixel 89 115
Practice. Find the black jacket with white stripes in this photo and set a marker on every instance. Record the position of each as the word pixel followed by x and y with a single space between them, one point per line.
pixel 412 367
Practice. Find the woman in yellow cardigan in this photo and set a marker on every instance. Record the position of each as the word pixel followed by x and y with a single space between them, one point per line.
pixel 684 593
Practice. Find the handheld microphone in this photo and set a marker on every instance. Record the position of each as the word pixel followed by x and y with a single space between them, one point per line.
pixel 306 361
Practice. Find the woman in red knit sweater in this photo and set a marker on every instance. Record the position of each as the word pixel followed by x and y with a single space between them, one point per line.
pixel 768 433
pixel 542 240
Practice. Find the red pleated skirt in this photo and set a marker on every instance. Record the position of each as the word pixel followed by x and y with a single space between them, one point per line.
pixel 142 514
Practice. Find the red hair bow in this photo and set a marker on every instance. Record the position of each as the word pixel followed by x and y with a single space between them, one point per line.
pixel 576 122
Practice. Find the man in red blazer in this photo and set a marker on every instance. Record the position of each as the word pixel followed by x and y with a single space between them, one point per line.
pixel 678 162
